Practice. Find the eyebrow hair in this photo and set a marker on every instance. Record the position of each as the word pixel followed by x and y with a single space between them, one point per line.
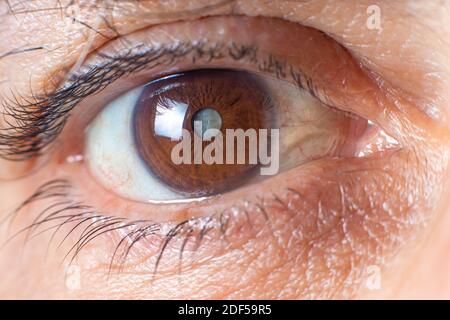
pixel 97 4
pixel 105 7
pixel 19 51
pixel 104 4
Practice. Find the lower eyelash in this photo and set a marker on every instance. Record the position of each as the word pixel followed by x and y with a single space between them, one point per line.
pixel 64 211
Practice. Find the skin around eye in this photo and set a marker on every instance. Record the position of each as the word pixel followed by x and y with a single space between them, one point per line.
pixel 308 232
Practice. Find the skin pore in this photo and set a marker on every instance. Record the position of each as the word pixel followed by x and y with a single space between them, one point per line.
pixel 385 215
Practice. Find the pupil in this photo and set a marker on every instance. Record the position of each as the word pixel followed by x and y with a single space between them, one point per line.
pixel 206 119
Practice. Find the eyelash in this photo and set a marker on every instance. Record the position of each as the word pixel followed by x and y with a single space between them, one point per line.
pixel 65 211
pixel 42 118
pixel 35 124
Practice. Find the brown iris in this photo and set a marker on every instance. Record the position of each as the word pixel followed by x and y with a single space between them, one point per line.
pixel 215 99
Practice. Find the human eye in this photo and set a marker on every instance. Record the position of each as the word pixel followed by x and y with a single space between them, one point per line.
pixel 206 132
pixel 212 146
pixel 128 139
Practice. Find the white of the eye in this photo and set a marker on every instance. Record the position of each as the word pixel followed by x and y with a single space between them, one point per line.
pixel 112 156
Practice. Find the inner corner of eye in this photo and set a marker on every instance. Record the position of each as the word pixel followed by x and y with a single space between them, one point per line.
pixel 206 132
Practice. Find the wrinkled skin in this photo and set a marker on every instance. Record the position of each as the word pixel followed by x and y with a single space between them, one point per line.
pixel 385 215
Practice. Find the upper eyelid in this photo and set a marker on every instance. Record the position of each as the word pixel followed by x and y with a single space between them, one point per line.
pixel 233 7
pixel 42 118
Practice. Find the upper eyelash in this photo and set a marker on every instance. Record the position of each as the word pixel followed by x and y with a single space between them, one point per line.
pixel 34 123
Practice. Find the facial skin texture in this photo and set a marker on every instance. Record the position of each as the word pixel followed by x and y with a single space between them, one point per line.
pixel 392 215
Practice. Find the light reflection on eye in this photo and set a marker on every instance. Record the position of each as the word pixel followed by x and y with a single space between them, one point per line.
pixel 131 142
pixel 169 119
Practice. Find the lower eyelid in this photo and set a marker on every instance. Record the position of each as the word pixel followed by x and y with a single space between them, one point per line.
pixel 360 210
pixel 327 220
pixel 310 203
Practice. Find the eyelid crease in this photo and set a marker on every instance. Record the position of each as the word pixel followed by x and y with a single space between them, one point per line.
pixel 35 124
